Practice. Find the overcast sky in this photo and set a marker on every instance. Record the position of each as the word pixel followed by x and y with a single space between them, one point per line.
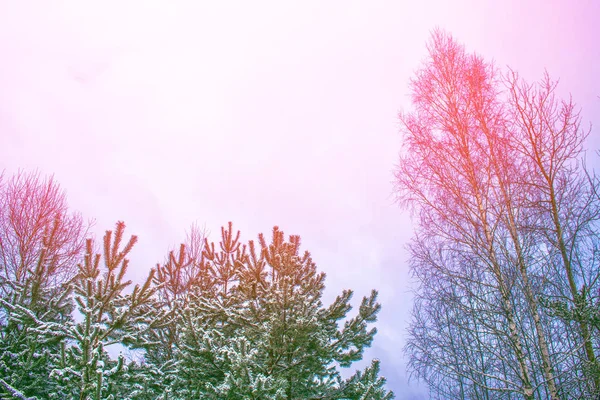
pixel 165 113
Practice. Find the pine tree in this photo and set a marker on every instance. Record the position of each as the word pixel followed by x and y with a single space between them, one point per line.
pixel 108 316
pixel 260 331
pixel 174 280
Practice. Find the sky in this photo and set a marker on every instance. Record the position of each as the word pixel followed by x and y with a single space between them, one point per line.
pixel 167 113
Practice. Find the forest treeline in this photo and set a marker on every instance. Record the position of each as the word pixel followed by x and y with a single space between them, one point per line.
pixel 505 254
pixel 230 320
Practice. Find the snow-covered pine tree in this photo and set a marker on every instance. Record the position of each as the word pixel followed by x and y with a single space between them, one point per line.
pixel 200 370
pixel 108 316
pixel 262 332
pixel 33 336
pixel 174 279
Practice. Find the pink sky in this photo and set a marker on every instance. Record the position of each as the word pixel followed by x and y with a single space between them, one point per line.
pixel 162 113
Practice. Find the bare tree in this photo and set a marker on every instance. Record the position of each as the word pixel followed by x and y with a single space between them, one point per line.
pixel 447 173
pixel 551 145
pixel 506 229
pixel 37 231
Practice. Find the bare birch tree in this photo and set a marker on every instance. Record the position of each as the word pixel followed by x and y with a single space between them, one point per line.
pixel 507 233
